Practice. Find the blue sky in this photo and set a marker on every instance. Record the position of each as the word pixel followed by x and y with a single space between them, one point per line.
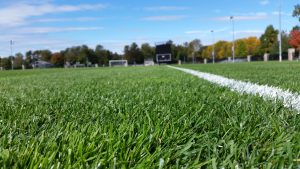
pixel 57 24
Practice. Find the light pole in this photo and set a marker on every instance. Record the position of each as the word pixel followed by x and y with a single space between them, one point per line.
pixel 196 48
pixel 213 46
pixel 11 55
pixel 279 35
pixel 233 38
pixel 194 57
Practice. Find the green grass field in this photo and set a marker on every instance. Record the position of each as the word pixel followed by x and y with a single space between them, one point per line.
pixel 145 117
pixel 285 75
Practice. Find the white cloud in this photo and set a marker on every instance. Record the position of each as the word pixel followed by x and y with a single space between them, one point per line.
pixel 276 13
pixel 166 8
pixel 34 38
pixel 79 19
pixel 197 32
pixel 41 30
pixel 246 17
pixel 165 18
pixel 264 2
pixel 249 32
pixel 7 37
pixel 23 43
pixel 71 8
pixel 205 31
pixel 16 15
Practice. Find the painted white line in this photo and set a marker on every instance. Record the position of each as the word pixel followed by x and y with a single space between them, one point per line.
pixel 289 99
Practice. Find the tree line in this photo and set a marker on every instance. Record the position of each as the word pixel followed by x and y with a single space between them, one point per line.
pixel 134 53
pixel 267 43
pixel 77 54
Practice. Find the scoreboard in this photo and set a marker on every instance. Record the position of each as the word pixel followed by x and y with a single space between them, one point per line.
pixel 163 53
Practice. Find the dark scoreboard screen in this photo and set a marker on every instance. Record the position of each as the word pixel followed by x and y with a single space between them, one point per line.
pixel 163 53
pixel 163 49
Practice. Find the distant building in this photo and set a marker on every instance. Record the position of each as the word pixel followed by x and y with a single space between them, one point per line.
pixel 41 64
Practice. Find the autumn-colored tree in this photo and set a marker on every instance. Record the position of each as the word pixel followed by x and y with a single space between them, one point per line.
pixel 252 45
pixel 229 49
pixel 57 59
pixel 206 54
pixel 221 48
pixel 295 39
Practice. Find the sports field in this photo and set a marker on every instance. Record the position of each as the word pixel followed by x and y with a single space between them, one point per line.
pixel 147 117
pixel 284 75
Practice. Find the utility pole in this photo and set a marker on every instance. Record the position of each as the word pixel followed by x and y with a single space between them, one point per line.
pixel 213 41
pixel 233 39
pixel 279 35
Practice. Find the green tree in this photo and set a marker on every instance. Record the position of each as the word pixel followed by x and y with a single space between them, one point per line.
pixel 268 39
pixel 181 52
pixel 148 51
pixel 174 50
pixel 241 48
pixel 44 55
pixel 194 47
pixel 102 55
pixel 127 54
pixel 91 56
pixel 71 54
pixel 83 54
pixel 28 59
pixel 114 56
pixel 6 63
pixel 19 61
pixel 296 12
pixel 285 44
pixel 133 54
pixel 137 54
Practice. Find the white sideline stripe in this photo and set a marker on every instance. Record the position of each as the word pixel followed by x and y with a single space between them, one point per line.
pixel 289 99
